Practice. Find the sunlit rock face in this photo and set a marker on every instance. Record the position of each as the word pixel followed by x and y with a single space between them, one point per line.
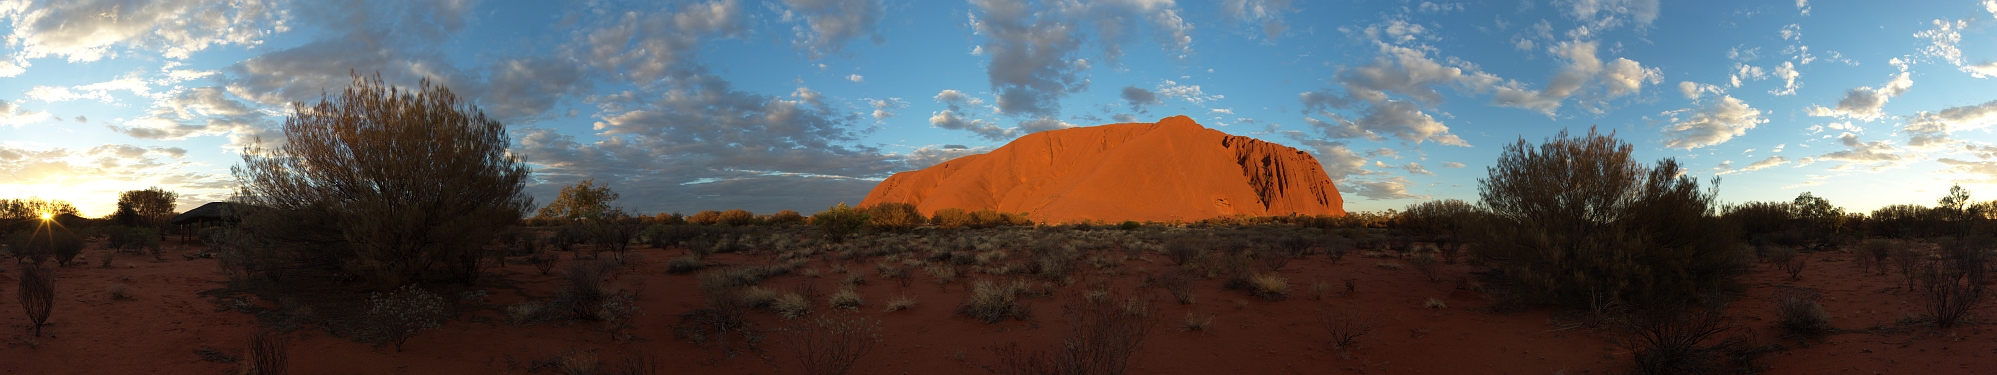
pixel 1173 169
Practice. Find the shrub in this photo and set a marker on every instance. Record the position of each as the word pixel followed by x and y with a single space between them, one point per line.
pixel 1793 263
pixel 37 294
pixel 267 355
pixel 544 261
pixel 1952 286
pixel 584 294
pixel 993 303
pixel 1180 284
pixel 1270 286
pixel 1345 327
pixel 840 221
pixel 1675 341
pixel 705 217
pixel 1424 262
pixel 845 298
pixel 1435 304
pixel 791 306
pixel 902 302
pixel 1194 322
pixel 1578 222
pixel 582 201
pixel 830 345
pixel 1103 335
pixel 683 265
pixel 785 217
pixel 951 218
pixel 721 323
pixel 1873 253
pixel 736 217
pixel 39 245
pixel 342 193
pixel 399 315
pixel 894 217
pixel 1797 312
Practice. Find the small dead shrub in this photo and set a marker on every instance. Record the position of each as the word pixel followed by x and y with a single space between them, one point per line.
pixel 1180 284
pixel 1195 322
pixel 267 355
pixel 902 302
pixel 1345 327
pixel 830 346
pixel 1797 311
pixel 993 303
pixel 1270 286
pixel 397 316
pixel 37 295
pixel 845 298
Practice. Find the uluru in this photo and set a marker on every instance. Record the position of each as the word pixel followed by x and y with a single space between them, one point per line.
pixel 1174 169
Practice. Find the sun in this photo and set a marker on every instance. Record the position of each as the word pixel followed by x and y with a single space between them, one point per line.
pixel 46 216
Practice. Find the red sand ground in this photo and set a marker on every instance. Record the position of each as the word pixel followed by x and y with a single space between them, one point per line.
pixel 1170 170
pixel 159 328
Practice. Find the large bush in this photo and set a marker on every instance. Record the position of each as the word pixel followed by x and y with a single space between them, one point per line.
pixel 383 183
pixel 1578 222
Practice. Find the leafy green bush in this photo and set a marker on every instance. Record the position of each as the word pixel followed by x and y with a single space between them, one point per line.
pixel 840 221
pixel 1578 222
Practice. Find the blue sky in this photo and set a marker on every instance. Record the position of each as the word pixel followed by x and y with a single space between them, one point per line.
pixel 801 104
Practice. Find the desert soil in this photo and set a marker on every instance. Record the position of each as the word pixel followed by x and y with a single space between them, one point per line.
pixel 165 321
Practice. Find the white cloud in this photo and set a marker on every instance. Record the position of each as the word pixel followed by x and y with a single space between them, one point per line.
pixel 1714 124
pixel 1865 103
pixel 1034 52
pixel 1603 15
pixel 1390 188
pixel 1787 72
pixel 884 108
pixel 1986 170
pixel 1803 6
pixel 1859 152
pixel 89 30
pixel 1451 164
pixel 1984 70
pixel 828 24
pixel 1266 14
pixel 13 115
pixel 203 111
pixel 1928 129
pixel 1416 168
pixel 954 118
pixel 1771 161
pixel 1943 41
pixel 931 155
pixel 1693 90
pixel 856 78
pixel 1189 93
pixel 1432 7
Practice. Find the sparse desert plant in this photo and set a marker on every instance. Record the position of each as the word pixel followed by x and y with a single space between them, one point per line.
pixel 943 273
pixel 1179 282
pixel 544 261
pixel 1435 304
pixel 1195 322
pixel 1794 264
pixel 1797 311
pixel 584 292
pixel 617 312
pixel 1392 265
pixel 397 316
pixel 1424 262
pixel 829 345
pixel 1270 286
pixel 37 295
pixel 118 291
pixel 1952 286
pixel 902 302
pixel 993 303
pixel 267 355
pixel 683 265
pixel 791 306
pixel 1185 251
pixel 1101 339
pixel 523 312
pixel 1345 327
pixel 1678 341
pixel 845 298
pixel 721 324
pixel 1318 288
